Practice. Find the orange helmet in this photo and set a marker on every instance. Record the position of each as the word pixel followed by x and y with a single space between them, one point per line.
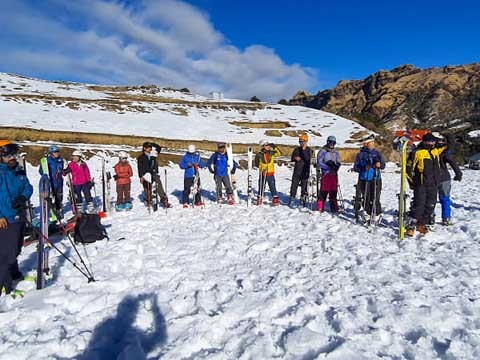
pixel 303 137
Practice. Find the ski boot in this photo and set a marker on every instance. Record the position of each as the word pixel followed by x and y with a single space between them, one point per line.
pixel 128 206
pixel 422 229
pixel 447 222
pixel 219 200
pixel 230 200
pixel 320 205
pixel 119 207
pixel 79 208
pixel 199 203
pixel 410 231
pixel 166 204
pixel 90 207
pixel 275 201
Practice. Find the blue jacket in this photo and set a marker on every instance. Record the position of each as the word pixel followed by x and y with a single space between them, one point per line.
pixel 13 183
pixel 187 162
pixel 55 169
pixel 330 156
pixel 365 161
pixel 220 164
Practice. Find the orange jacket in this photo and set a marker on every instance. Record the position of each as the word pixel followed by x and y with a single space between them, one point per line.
pixel 124 173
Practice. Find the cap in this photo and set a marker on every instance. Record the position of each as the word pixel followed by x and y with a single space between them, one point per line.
pixel 429 137
pixel 263 142
pixel 77 153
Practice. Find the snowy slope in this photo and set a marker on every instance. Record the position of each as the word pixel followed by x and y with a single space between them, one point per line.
pixel 153 111
pixel 233 282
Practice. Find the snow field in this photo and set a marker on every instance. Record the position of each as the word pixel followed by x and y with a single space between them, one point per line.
pixel 231 282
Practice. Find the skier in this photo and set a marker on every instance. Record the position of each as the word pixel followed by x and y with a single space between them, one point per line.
pixel 328 161
pixel 301 156
pixel 423 176
pixel 265 162
pixel 445 184
pixel 368 163
pixel 15 190
pixel 123 173
pixel 54 162
pixel 219 161
pixel 81 180
pixel 147 164
pixel 191 162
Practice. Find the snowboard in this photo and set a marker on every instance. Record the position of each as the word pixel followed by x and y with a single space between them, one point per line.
pixel 233 179
pixel 249 176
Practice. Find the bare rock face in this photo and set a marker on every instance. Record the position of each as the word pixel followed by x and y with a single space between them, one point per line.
pixel 406 96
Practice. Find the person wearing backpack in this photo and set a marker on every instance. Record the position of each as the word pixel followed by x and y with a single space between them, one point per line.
pixel 219 161
pixel 122 177
pixel 81 180
pixel 15 190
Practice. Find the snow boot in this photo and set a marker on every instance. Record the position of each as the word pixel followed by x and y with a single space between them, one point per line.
pixel 320 205
pixel 422 229
pixel 275 201
pixel 119 207
pixel 410 231
pixel 230 200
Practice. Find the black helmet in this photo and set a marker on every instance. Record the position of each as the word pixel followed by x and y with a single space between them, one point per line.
pixel 147 144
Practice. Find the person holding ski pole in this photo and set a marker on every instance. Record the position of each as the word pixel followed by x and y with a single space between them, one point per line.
pixel 191 162
pixel 52 165
pixel 301 156
pixel 147 163
pixel 15 190
pixel 81 180
pixel 218 166
pixel 328 161
pixel 265 162
pixel 122 177
pixel 368 164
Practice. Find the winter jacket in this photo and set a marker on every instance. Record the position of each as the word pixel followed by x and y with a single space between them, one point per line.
pixel 447 158
pixel 265 160
pixel 124 173
pixel 147 165
pixel 302 166
pixel 55 172
pixel 220 164
pixel 365 164
pixel 328 160
pixel 13 183
pixel 80 172
pixel 423 166
pixel 187 163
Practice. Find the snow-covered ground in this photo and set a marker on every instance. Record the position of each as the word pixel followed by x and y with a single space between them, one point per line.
pixel 233 282
pixel 77 108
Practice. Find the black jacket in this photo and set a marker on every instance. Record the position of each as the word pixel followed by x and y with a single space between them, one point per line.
pixel 302 167
pixel 147 165
pixel 447 158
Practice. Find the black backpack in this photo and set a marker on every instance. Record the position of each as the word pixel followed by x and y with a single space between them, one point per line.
pixel 88 229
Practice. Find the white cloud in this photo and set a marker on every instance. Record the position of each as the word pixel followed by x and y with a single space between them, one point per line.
pixel 167 42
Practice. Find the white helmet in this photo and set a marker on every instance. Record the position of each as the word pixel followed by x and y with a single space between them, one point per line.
pixel 191 148
pixel 122 155
pixel 263 142
pixel 77 153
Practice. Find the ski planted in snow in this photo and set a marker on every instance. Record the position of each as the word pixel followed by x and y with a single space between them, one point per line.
pixel 42 250
pixel 154 188
pixel 233 179
pixel 249 176
pixel 402 196
pixel 46 171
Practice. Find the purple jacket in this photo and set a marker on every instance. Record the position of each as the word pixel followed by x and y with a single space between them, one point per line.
pixel 328 160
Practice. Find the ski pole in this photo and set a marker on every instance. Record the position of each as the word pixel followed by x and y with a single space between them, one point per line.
pixel 340 196
pixel 166 191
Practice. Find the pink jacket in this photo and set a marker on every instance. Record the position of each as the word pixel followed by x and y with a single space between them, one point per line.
pixel 80 172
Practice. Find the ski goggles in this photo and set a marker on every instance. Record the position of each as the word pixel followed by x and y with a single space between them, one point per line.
pixel 123 158
pixel 9 150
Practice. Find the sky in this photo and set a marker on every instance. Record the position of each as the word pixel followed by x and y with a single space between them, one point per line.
pixel 270 49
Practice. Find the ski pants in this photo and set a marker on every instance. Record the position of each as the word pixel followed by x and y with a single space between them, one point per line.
pixel 299 179
pixel 58 199
pixel 123 193
pixel 368 193
pixel 147 188
pixel 187 185
pixel 86 190
pixel 424 198
pixel 225 181
pixel 270 180
pixel 444 198
pixel 11 245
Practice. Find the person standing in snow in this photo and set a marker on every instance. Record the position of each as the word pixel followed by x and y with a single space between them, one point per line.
pixel 81 180
pixel 301 156
pixel 122 177
pixel 55 164
pixel 368 164
pixel 218 165
pixel 147 163
pixel 328 161
pixel 265 162
pixel 15 190
pixel 191 162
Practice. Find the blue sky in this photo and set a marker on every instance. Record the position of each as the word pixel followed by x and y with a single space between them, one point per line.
pixel 266 48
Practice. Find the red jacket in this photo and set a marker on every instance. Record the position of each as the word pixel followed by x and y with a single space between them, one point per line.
pixel 124 173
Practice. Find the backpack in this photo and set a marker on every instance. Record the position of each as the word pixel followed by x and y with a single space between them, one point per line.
pixel 88 229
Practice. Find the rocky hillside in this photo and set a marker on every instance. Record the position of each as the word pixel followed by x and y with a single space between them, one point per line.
pixel 436 98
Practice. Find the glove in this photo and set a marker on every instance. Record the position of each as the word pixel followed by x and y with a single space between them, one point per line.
pixel 115 177
pixel 66 171
pixel 20 203
pixel 195 166
pixel 458 177
pixel 331 165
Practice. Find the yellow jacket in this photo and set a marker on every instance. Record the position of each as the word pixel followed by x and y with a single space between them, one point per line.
pixel 265 160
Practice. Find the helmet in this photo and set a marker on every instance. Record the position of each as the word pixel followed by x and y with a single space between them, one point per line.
pixel 8 148
pixel 303 137
pixel 332 138
pixel 77 153
pixel 221 145
pixel 429 137
pixel 263 142
pixel 191 148
pixel 122 155
pixel 53 148
pixel 438 136
pixel 147 144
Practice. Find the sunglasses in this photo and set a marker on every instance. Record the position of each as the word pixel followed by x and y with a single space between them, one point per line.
pixel 123 158
pixel 221 147
pixel 9 155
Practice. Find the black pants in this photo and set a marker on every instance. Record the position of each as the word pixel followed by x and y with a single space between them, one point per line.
pixel 86 190
pixel 187 184
pixel 298 179
pixel 58 199
pixel 366 194
pixel 11 245
pixel 424 198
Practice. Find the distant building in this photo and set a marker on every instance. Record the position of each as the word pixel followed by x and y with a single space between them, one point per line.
pixel 216 95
